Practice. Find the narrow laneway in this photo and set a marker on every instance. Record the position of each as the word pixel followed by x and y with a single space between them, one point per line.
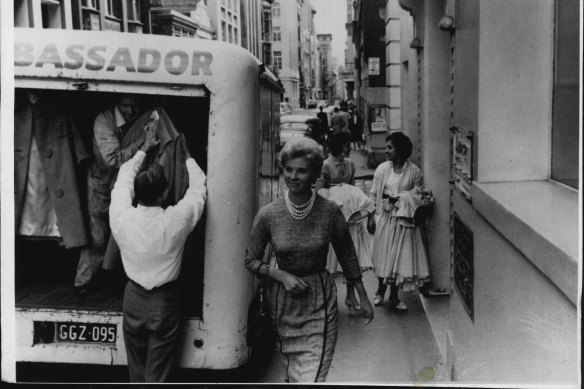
pixel 395 348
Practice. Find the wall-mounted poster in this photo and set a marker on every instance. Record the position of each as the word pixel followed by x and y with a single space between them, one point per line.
pixel 462 151
pixel 373 66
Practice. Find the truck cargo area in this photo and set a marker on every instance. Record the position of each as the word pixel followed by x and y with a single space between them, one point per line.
pixel 45 269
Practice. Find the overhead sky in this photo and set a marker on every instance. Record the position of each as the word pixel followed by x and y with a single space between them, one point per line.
pixel 330 18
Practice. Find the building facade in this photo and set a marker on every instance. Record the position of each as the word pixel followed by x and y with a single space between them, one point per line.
pixel 348 74
pixel 251 27
pixel 325 75
pixel 225 18
pixel 286 46
pixel 489 97
pixel 187 18
pixel 308 59
pixel 126 16
pixel 372 76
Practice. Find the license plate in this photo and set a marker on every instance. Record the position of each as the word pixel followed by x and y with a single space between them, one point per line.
pixel 85 332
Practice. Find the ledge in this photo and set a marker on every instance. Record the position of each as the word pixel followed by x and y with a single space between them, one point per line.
pixel 540 218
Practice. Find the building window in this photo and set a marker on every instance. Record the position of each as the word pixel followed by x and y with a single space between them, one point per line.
pixel 224 31
pixel 278 60
pixel 52 14
pixel 133 10
pixel 277 34
pixel 90 4
pixel 565 111
pixel 276 10
pixel 90 15
pixel 113 8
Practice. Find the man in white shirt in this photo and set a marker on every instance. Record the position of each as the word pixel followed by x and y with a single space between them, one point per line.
pixel 151 241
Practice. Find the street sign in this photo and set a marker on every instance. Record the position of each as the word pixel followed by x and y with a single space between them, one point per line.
pixel 373 63
pixel 378 127
pixel 346 75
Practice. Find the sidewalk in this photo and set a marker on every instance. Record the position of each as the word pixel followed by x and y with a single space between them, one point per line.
pixel 359 156
pixel 395 347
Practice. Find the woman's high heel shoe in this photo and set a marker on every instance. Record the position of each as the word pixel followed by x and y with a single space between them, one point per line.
pixel 397 305
pixel 378 299
pixel 354 310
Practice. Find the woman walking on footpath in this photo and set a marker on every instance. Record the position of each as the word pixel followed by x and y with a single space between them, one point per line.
pixel 302 294
pixel 338 169
pixel 399 251
pixel 356 128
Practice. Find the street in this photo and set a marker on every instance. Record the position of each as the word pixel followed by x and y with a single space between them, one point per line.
pixel 395 347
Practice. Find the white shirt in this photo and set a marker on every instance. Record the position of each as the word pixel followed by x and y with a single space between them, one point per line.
pixel 151 239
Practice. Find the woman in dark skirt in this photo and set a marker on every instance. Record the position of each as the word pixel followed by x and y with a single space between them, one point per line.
pixel 302 295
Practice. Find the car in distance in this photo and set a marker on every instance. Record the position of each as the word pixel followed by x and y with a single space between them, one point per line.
pixel 292 126
pixel 311 104
pixel 285 108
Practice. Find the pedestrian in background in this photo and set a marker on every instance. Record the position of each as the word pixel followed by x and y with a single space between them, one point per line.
pixel 399 250
pixel 338 169
pixel 324 124
pixel 302 295
pixel 151 241
pixel 356 128
pixel 340 121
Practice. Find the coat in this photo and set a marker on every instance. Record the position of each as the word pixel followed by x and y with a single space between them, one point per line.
pixel 411 180
pixel 171 154
pixel 62 154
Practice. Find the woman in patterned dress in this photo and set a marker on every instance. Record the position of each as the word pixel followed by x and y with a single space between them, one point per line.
pixel 399 255
pixel 302 294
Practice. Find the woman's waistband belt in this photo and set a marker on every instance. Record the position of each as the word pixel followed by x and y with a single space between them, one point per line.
pixel 392 200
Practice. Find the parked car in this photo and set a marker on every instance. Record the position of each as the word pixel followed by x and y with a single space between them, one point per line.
pixel 292 126
pixel 311 104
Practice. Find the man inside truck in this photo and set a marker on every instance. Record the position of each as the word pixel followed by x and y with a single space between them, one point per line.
pixel 151 241
pixel 98 260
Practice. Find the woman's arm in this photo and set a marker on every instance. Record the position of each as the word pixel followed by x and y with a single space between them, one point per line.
pixel 254 255
pixel 343 246
pixel 352 176
pixel 364 301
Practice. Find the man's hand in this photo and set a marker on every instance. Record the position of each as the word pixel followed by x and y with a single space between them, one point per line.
pixel 149 136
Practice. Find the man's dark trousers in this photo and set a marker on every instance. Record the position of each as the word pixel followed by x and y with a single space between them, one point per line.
pixel 151 329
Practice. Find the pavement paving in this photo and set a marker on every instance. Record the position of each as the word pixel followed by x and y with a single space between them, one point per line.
pixel 395 348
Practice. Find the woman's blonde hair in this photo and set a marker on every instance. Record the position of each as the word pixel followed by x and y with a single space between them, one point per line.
pixel 303 148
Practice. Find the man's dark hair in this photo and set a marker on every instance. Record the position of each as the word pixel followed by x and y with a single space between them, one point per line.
pixel 338 140
pixel 149 185
pixel 401 143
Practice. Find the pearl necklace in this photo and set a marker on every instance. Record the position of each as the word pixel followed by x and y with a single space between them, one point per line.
pixel 299 212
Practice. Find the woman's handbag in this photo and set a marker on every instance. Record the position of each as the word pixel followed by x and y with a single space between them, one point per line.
pixel 259 323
